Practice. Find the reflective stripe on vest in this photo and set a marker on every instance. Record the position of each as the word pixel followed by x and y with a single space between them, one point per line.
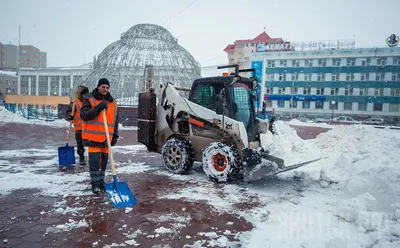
pixel 77 115
pixel 94 129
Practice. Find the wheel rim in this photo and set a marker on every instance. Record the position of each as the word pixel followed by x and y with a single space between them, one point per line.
pixel 219 162
pixel 174 156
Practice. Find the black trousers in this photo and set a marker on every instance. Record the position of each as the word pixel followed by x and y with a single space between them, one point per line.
pixel 97 166
pixel 79 143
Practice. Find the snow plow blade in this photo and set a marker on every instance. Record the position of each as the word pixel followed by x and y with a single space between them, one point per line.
pixel 260 165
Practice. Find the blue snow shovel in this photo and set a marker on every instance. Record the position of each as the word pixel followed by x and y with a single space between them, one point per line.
pixel 66 155
pixel 119 192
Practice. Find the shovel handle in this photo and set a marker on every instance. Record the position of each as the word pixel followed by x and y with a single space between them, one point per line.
pixel 70 123
pixel 108 142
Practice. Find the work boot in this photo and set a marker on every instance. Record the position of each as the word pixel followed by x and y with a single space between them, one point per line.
pixel 102 188
pixel 96 190
pixel 82 160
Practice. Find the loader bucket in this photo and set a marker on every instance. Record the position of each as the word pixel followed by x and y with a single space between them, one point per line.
pixel 258 165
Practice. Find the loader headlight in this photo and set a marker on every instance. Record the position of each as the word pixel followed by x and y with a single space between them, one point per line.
pixel 252 145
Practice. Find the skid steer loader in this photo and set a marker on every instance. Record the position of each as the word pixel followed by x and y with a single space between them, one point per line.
pixel 216 125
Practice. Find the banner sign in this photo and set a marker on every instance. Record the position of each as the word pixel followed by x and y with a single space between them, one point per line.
pixel 295 97
pixel 307 45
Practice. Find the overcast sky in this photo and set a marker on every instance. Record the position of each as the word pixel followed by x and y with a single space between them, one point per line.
pixel 73 31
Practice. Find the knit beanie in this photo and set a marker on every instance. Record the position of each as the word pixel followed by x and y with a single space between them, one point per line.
pixel 103 81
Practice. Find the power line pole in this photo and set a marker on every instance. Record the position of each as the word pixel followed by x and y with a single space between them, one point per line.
pixel 19 49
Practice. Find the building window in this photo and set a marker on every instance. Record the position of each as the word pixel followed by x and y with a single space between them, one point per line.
pixel 396 60
pixel 321 62
pixel 306 104
pixel 281 104
pixel 335 77
pixel 336 62
pixel 282 77
pixel 319 105
pixel 270 77
pixel 378 92
pixel 270 90
pixel 281 91
pixel 380 77
pixel 307 77
pixel 294 90
pixel 363 91
pixel 320 91
pixel 364 76
pixel 293 104
pixel 348 91
pixel 362 106
pixel 395 92
pixel 351 62
pixel 363 62
pixel 296 63
pixel 321 77
pixel 381 61
pixel 306 91
pixel 334 91
pixel 350 77
pixel 308 62
pixel 396 77
pixel 393 107
pixel 377 106
pixel 295 77
pixel 348 106
pixel 271 63
pixel 283 63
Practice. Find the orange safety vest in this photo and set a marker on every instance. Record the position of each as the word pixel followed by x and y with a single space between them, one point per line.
pixel 77 115
pixel 94 130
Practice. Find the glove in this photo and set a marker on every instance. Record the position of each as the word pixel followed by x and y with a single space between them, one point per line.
pixel 70 117
pixel 114 141
pixel 99 107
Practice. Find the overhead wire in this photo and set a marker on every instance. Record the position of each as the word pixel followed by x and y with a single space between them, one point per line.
pixel 180 12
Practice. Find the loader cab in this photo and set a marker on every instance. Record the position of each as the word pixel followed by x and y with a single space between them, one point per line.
pixel 227 95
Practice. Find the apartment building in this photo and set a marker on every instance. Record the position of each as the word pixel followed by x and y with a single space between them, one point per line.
pixel 30 57
pixel 354 81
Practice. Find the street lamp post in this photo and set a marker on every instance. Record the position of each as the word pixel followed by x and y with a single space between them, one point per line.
pixel 291 100
pixel 332 106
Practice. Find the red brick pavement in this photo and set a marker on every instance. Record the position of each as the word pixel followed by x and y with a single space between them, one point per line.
pixel 27 215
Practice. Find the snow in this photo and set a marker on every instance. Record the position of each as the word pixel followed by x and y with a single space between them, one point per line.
pixel 349 198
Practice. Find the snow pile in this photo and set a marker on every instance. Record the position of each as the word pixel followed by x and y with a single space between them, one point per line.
pixel 295 122
pixel 7 116
pixel 358 205
pixel 287 145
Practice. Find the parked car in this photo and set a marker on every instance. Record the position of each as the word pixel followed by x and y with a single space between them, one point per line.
pixel 302 118
pixel 345 120
pixel 373 121
pixel 321 119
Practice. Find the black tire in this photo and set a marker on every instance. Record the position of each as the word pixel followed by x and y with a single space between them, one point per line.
pixel 177 155
pixel 229 158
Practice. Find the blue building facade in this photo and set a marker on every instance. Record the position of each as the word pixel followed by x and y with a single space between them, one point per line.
pixel 358 81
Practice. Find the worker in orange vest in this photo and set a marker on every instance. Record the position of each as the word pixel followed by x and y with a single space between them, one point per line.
pixel 77 121
pixel 94 133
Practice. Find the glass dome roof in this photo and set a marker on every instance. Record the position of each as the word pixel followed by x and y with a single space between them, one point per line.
pixel 123 62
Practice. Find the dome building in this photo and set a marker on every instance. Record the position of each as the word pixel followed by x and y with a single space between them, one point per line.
pixel 123 62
